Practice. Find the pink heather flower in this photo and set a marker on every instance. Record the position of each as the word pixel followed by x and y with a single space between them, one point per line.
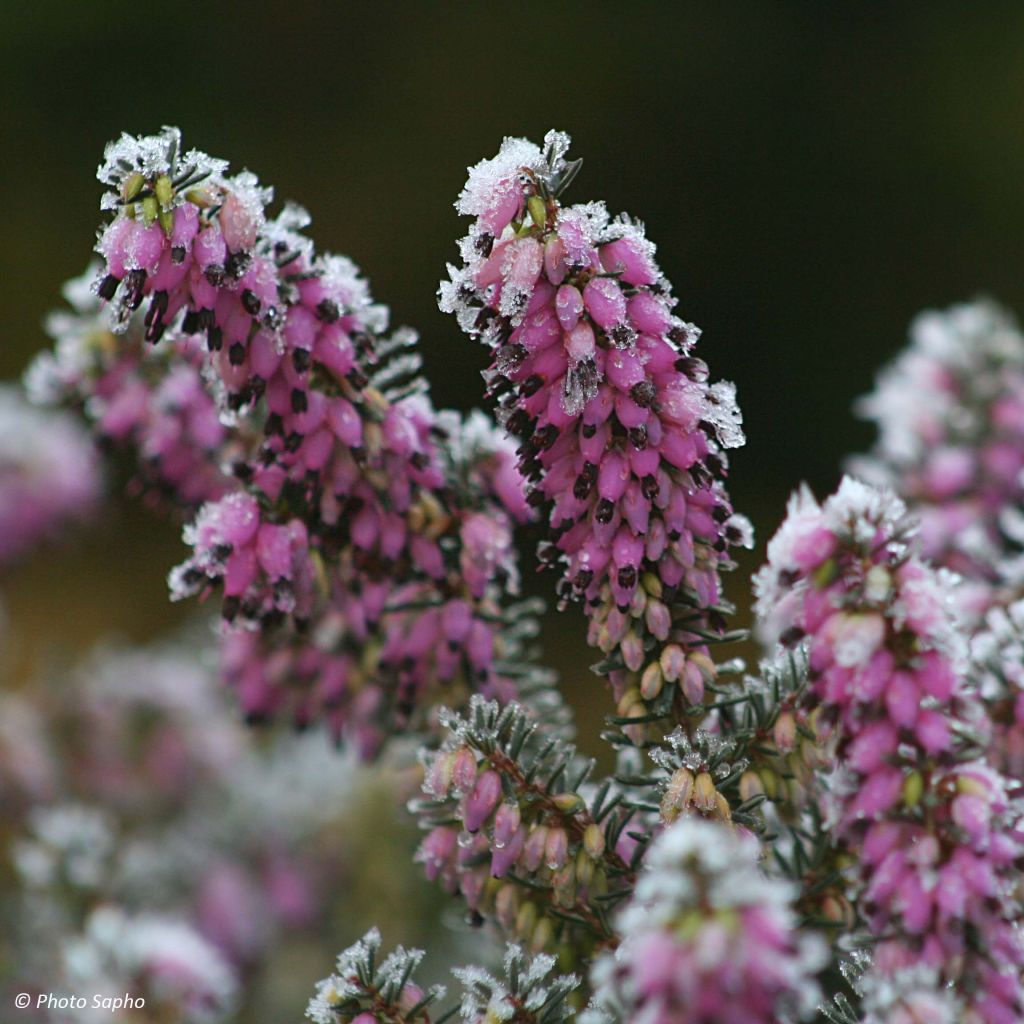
pixel 706 938
pixel 49 474
pixel 357 517
pixel 621 437
pixel 263 567
pixel 950 416
pixel 927 819
pixel 153 402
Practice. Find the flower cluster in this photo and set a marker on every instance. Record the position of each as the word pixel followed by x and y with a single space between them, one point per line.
pixel 950 415
pixel 512 831
pixel 345 522
pixel 928 818
pixel 621 437
pixel 49 475
pixel 706 938
pixel 149 402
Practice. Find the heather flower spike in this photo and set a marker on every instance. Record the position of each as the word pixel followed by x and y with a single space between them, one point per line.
pixel 344 522
pixel 707 939
pixel 621 437
pixel 950 418
pixel 149 401
pixel 364 990
pixel 927 818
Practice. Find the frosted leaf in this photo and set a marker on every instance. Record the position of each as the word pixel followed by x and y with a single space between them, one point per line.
pixel 556 147
pixel 722 412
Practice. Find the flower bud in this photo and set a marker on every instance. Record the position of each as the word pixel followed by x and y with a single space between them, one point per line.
pixel 652 681
pixel 784 732
pixel 584 867
pixel 482 801
pixel 542 936
pixel 677 795
pixel 594 841
pixel 533 851
pixel 463 770
pixel 693 682
pixel 673 661
pixel 506 822
pixel 526 919
pixel 750 785
pixel 556 848
pixel 913 789
pixel 704 792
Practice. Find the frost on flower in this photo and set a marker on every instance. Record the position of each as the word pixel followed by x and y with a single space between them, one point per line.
pixel 706 938
pixel 950 417
pixel 621 437
pixel 928 821
pixel 997 669
pixel 345 523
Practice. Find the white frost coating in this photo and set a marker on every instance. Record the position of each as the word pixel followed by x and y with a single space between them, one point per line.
pixel 857 512
pixel 151 155
pixel 856 639
pixel 490 180
pixel 354 977
pixel 722 412
pixel 341 276
pixel 913 403
pixel 285 231
pixel 486 998
pixel 724 863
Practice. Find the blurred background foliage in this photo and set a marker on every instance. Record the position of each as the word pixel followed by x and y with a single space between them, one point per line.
pixel 814 174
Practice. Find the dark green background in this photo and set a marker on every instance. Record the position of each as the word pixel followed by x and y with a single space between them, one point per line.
pixel 813 174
